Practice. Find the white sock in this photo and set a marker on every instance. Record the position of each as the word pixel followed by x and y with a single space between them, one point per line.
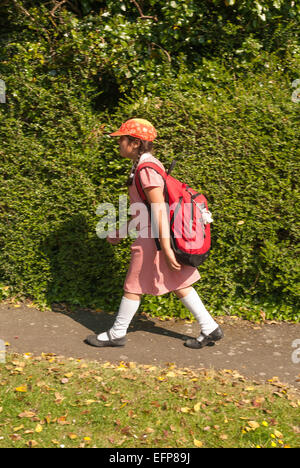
pixel 127 310
pixel 194 304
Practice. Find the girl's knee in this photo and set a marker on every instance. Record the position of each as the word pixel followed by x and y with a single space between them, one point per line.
pixel 132 296
pixel 180 293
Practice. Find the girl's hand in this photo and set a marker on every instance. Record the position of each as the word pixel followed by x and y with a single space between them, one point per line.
pixel 171 260
pixel 114 240
pixel 156 198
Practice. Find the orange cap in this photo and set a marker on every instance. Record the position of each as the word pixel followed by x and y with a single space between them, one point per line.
pixel 138 128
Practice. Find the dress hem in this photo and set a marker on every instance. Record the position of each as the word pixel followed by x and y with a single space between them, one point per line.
pixel 162 293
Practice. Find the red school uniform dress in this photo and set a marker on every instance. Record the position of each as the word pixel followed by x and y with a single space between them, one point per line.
pixel 148 271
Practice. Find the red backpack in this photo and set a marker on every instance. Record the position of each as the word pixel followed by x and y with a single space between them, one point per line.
pixel 189 217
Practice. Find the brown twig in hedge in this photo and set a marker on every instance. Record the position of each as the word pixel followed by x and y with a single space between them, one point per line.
pixel 25 12
pixel 160 47
pixel 142 16
pixel 57 5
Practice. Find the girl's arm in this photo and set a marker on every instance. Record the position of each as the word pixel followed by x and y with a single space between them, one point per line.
pixel 117 239
pixel 156 199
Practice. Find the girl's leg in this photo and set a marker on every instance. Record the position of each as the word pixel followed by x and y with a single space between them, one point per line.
pixel 180 293
pixel 132 296
pixel 128 307
pixel 191 300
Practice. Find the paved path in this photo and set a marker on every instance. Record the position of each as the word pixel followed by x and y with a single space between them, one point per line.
pixel 256 351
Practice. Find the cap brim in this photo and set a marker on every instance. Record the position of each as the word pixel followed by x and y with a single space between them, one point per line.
pixel 117 133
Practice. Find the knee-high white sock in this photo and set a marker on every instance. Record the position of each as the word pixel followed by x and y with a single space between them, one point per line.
pixel 127 310
pixel 194 304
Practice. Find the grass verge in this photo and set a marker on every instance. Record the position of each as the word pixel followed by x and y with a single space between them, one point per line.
pixel 50 401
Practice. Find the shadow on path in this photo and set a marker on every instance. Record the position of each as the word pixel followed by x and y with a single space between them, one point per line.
pixel 103 321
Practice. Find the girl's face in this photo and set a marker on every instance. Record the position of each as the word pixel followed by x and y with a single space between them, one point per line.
pixel 128 149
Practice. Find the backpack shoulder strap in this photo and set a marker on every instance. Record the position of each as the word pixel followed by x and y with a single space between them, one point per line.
pixel 142 166
pixel 139 187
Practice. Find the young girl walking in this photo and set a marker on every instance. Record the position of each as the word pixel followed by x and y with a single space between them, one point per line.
pixel 152 271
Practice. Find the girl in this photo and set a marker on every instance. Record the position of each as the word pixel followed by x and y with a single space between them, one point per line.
pixel 152 271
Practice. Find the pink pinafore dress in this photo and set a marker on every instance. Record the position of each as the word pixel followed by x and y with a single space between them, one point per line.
pixel 148 271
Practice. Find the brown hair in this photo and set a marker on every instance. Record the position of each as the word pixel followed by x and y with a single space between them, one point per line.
pixel 145 147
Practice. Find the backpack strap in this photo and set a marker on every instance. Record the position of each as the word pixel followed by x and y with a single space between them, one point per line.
pixel 173 164
pixel 138 184
pixel 140 190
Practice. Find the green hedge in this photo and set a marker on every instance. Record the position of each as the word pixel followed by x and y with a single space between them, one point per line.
pixel 232 124
pixel 239 146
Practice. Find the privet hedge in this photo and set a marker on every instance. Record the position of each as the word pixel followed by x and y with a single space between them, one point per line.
pixel 235 132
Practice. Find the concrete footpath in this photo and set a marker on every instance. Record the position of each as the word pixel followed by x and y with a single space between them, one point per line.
pixel 258 351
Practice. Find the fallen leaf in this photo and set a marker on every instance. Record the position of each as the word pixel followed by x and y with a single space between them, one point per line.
pixel 38 428
pixel 16 429
pixel 26 414
pixel 149 430
pixel 59 398
pixel 198 443
pixel 257 402
pixel 89 402
pixel 32 443
pixel 126 430
pixel 171 374
pixel 197 407
pixel 185 410
pixel 18 363
pixel 253 424
pixel 62 421
pixel 22 389
pixel 72 436
pixel 156 404
pixel 69 375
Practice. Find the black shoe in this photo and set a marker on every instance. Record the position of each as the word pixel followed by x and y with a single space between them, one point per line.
pixel 205 340
pixel 93 341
